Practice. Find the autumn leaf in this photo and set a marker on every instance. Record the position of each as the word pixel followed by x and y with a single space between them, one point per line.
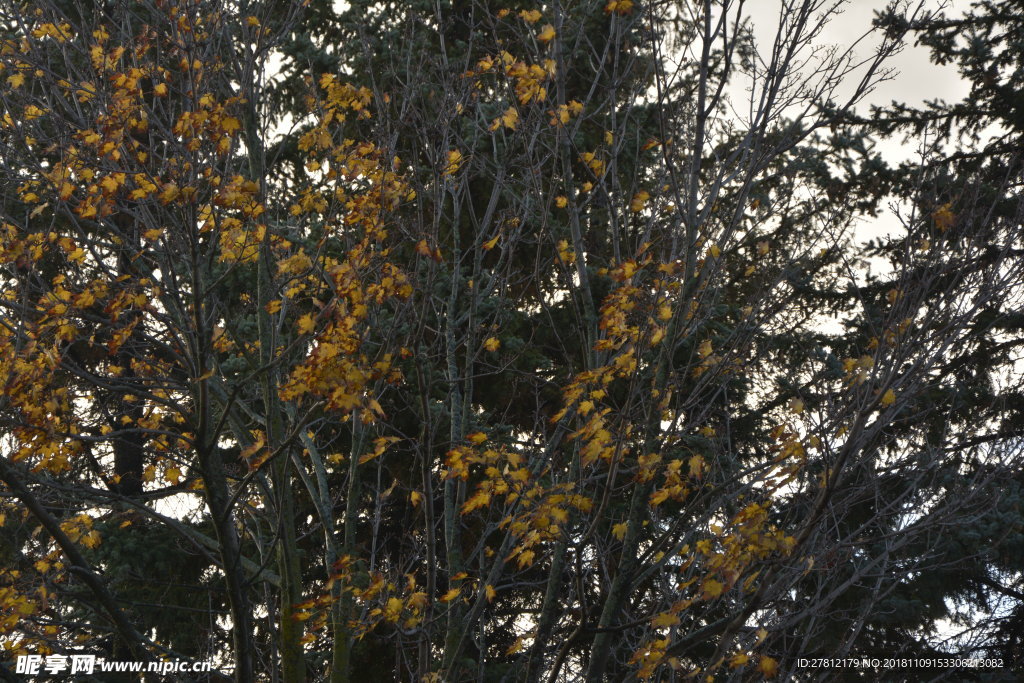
pixel 455 160
pixel 944 217
pixel 768 666
pixel 888 398
pixel 92 539
pixel 737 660
pixel 547 34
pixel 169 193
pixel 639 200
pixel 619 530
pixel 711 589
pixel 306 324
pixel 478 500
pixel 509 119
pixel 664 620
pixel 492 344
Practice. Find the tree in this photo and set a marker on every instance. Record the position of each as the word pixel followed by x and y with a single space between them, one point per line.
pixel 956 450
pixel 478 343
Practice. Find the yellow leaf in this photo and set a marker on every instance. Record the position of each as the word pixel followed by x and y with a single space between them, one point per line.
pixel 415 497
pixel 737 660
pixel 476 438
pixel 454 162
pixel 489 244
pixel 619 530
pixel 173 474
pixel 664 620
pixel 393 609
pixel 658 497
pixel 509 119
pixel 230 124
pixel 516 646
pixel 888 398
pixel 169 193
pixel 16 80
pixel 450 595
pixel 530 17
pixel 478 500
pixel 561 202
pixel 696 466
pixel 711 589
pixel 619 6
pixel 768 666
pixel 490 592
pixel 547 34
pixel 492 344
pixel 306 324
pixel 636 204
pixel 417 600
pixel 796 405
pixel 943 217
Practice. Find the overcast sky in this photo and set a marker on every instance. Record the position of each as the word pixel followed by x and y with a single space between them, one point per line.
pixel 914 80
pixel 917 79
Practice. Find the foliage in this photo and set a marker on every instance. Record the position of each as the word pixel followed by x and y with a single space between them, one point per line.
pixel 481 342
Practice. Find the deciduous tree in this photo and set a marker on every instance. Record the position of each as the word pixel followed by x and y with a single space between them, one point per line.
pixel 466 341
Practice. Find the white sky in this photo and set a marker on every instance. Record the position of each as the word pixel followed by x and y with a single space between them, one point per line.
pixel 915 78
